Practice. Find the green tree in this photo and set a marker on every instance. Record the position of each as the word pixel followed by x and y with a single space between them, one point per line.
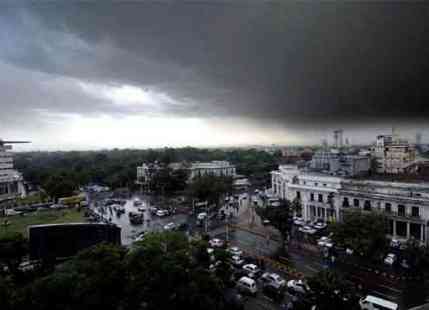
pixel 93 279
pixel 58 186
pixel 13 248
pixel 209 188
pixel 364 233
pixel 330 291
pixel 280 218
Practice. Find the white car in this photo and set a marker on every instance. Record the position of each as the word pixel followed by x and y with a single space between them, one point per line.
pixel 237 261
pixel 298 221
pixel 297 286
pixel 140 236
pixel 161 213
pixel 170 226
pixel 325 242
pixel 320 225
pixel 252 270
pixel 274 279
pixel 390 259
pixel 307 229
pixel 201 216
pixel 216 243
pixel 235 251
pixel 395 243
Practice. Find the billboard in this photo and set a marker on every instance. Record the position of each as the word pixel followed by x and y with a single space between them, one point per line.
pixel 54 241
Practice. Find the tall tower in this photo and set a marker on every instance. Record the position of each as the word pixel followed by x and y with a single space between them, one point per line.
pixel 418 138
pixel 338 138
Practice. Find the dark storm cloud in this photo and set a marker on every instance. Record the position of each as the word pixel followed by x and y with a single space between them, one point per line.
pixel 286 63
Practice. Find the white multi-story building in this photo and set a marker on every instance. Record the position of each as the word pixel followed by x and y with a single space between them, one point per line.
pixel 328 198
pixel 335 162
pixel 196 169
pixel 215 168
pixel 392 155
pixel 11 181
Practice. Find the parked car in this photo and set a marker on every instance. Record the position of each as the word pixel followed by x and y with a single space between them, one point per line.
pixel 274 292
pixel 237 261
pixel 247 285
pixel 266 222
pixel 162 213
pixel 395 243
pixel 390 259
pixel 307 229
pixel 252 270
pixel 170 226
pixel 235 251
pixel 216 243
pixel 320 225
pixel 325 242
pixel 140 236
pixel 273 279
pixel 297 286
pixel 153 210
pixel 202 216
pixel 298 221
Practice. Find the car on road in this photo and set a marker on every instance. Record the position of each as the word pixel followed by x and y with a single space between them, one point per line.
pixel 273 292
pixel 162 213
pixel 320 225
pixel 216 243
pixel 307 229
pixel 273 279
pixel 140 236
pixel 153 210
pixel 247 285
pixel 371 302
pixel 202 216
pixel 235 251
pixel 390 259
pixel 325 242
pixel 170 226
pixel 252 270
pixel 297 286
pixel 266 222
pixel 237 261
pixel 142 209
pixel 298 221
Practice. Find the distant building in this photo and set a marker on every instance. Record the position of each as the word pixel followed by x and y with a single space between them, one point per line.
pixel 392 155
pixel 337 163
pixel 215 168
pixel 11 181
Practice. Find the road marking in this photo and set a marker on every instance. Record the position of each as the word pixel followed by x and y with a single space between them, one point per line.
pixel 391 288
pixel 385 295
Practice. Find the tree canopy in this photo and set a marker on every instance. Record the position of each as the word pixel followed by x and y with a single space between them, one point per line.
pixel 364 233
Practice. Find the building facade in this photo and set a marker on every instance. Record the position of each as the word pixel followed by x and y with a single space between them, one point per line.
pixel 11 181
pixel 215 168
pixel 392 155
pixel 338 163
pixel 328 198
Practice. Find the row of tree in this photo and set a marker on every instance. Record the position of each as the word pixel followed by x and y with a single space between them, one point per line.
pixel 60 173
pixel 162 272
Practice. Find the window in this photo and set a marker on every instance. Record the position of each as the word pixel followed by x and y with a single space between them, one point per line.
pixel 367 205
pixel 304 182
pixel 316 184
pixel 320 199
pixel 415 211
pixel 346 202
pixel 298 195
pixel 324 185
pixel 388 207
pixel 312 197
pixel 401 229
pixel 401 210
pixel 356 203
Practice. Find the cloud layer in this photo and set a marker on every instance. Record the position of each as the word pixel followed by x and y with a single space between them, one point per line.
pixel 272 66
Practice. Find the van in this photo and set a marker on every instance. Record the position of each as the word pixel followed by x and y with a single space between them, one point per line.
pixel 247 285
pixel 376 303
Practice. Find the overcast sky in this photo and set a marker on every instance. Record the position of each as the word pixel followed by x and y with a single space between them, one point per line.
pixel 98 75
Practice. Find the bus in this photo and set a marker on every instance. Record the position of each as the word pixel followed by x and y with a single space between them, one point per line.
pixel 376 303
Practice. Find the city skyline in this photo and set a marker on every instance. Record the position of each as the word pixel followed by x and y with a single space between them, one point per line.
pixel 95 76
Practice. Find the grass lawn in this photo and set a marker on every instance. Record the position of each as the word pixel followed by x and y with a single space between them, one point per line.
pixel 20 223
